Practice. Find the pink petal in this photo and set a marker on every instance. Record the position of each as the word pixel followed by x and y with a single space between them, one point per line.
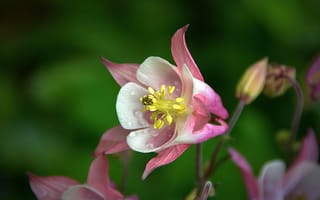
pixel 113 141
pixel 82 192
pixel 132 197
pixel 210 98
pixel 50 187
pixel 181 54
pixel 164 157
pixel 308 184
pixel 296 178
pixel 155 71
pixel 312 76
pixel 150 139
pixel 270 180
pixel 188 136
pixel 313 79
pixel 129 108
pixel 200 115
pixel 98 178
pixel 122 73
pixel 309 149
pixel 249 179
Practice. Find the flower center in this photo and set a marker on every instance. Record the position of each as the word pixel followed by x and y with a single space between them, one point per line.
pixel 164 108
pixel 300 196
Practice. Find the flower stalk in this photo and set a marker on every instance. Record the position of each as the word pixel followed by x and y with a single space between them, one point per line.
pixel 298 112
pixel 225 138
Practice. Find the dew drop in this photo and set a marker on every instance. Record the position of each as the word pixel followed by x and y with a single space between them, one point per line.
pixel 129 123
pixel 139 116
pixel 132 134
pixel 149 146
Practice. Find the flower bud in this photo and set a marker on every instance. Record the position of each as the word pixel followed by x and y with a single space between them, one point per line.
pixel 283 137
pixel 252 82
pixel 277 79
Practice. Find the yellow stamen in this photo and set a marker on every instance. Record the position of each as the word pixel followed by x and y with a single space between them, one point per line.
pixel 165 108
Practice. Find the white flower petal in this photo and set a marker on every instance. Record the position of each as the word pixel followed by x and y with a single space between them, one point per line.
pixel 150 139
pixel 155 71
pixel 270 180
pixel 129 108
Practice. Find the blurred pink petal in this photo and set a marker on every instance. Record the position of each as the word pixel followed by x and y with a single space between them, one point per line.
pixel 122 73
pixel 164 157
pixel 313 79
pixel 82 192
pixel 307 184
pixel 301 181
pixel 297 174
pixel 98 178
pixel 132 197
pixel 309 149
pixel 113 141
pixel 51 187
pixel 181 54
pixel 249 179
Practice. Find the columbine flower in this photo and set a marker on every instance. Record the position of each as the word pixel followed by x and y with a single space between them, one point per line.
pixel 163 108
pixel 313 79
pixel 98 186
pixel 252 81
pixel 301 181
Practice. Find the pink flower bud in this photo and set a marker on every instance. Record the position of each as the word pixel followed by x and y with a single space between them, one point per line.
pixel 276 81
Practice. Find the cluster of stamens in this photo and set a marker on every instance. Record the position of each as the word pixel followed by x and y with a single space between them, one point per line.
pixel 164 108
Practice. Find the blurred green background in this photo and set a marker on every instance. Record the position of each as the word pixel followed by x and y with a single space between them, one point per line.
pixel 56 98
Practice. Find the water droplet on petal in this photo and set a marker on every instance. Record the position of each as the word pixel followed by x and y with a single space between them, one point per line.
pixel 132 134
pixel 140 117
pixel 149 146
pixel 129 123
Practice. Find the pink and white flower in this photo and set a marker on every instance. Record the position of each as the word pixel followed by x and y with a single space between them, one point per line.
pixel 300 181
pixel 163 108
pixel 98 186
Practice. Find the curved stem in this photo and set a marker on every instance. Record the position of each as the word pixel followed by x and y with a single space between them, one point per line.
pixel 226 136
pixel 298 111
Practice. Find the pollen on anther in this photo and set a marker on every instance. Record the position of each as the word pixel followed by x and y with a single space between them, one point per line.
pixel 179 99
pixel 171 89
pixel 151 90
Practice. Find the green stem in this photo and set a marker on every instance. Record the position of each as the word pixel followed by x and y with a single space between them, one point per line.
pixel 226 137
pixel 298 112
